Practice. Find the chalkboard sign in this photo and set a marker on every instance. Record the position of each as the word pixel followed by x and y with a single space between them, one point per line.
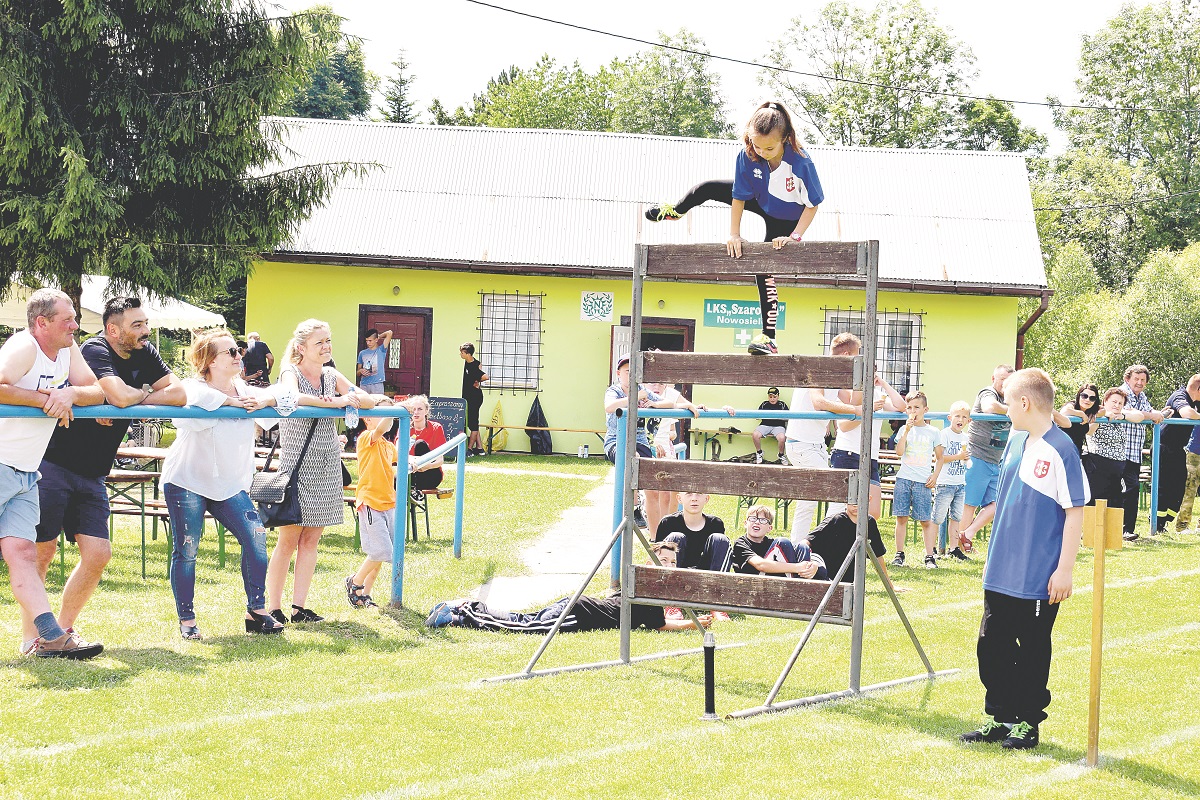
pixel 451 412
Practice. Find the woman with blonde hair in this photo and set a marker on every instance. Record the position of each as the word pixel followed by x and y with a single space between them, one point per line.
pixel 209 469
pixel 305 378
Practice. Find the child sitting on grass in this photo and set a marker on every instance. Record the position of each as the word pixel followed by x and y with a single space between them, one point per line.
pixel 1035 538
pixel 757 553
pixel 375 503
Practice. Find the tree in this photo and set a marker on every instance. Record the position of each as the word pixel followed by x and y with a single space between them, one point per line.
pixel 339 85
pixel 134 144
pixel 863 52
pixel 1145 57
pixel 397 107
pixel 547 96
pixel 669 92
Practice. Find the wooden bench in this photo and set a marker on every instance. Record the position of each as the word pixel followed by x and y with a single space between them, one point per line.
pixel 441 493
pixel 491 429
pixel 761 595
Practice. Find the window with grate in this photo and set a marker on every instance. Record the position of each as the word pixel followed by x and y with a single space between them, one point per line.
pixel 510 340
pixel 898 348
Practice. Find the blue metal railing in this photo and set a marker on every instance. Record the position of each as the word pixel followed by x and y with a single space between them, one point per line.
pixel 304 412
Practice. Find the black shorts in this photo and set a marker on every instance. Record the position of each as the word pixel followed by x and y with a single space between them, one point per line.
pixel 473 413
pixel 71 503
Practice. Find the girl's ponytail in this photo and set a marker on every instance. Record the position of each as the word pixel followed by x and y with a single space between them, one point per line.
pixel 770 117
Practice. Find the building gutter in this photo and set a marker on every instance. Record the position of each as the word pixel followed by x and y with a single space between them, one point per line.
pixel 609 273
pixel 1037 312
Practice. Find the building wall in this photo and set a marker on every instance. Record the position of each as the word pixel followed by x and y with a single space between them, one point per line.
pixel 964 336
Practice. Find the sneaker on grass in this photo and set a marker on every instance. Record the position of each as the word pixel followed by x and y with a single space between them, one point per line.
pixel 958 555
pixel 662 212
pixel 989 731
pixel 898 561
pixel 762 345
pixel 440 616
pixel 931 563
pixel 1023 736
pixel 1130 536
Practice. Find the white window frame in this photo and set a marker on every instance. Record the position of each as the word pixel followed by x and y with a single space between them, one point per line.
pixel 510 340
pixel 897 365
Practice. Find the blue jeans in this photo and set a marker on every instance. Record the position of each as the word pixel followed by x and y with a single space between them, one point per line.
pixel 239 517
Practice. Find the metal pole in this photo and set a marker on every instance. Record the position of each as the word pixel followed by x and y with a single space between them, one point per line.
pixel 1154 470
pixel 460 484
pixel 400 527
pixel 870 337
pixel 631 463
pixel 618 495
pixel 710 689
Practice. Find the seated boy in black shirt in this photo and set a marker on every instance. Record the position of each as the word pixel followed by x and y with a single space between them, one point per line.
pixel 837 535
pixel 588 613
pixel 757 553
pixel 699 537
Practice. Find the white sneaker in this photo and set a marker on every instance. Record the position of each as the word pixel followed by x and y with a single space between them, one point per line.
pixel 931 563
pixel 758 458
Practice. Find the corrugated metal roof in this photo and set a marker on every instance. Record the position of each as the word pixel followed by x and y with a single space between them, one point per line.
pixel 569 198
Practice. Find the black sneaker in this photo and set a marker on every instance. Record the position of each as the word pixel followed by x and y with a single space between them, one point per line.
pixel 989 731
pixel 1023 736
pixel 305 615
pixel 931 563
pixel 639 518
pixel 958 555
pixel 279 617
pixel 662 212
pixel 898 561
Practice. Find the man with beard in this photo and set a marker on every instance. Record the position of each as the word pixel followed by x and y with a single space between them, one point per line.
pixel 72 492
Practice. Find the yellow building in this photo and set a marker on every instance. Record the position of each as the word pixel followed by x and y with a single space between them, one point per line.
pixel 522 241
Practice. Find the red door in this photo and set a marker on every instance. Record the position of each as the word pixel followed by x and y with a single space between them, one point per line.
pixel 407 370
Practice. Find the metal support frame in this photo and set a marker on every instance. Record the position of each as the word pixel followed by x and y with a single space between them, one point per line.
pixel 620 545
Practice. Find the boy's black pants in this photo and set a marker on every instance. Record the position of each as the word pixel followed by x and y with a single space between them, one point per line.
pixel 1014 656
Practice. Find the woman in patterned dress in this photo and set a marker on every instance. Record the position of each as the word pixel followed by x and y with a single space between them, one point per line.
pixel 1105 457
pixel 320 481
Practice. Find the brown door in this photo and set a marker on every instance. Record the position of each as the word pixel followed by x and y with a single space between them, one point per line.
pixel 407 370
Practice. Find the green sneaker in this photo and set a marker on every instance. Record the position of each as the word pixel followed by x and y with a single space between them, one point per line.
pixel 1023 736
pixel 661 212
pixel 989 731
pixel 762 345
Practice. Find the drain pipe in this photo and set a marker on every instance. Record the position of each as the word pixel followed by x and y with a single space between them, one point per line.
pixel 1041 309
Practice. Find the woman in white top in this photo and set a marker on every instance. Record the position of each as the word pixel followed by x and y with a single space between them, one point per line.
pixel 209 468
pixel 847 445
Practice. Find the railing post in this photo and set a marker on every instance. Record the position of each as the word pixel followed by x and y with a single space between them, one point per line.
pixel 460 482
pixel 618 496
pixel 400 525
pixel 1154 469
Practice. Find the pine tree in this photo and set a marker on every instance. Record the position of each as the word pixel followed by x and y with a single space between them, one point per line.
pixel 397 106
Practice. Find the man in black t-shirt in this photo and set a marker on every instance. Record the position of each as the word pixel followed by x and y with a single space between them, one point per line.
pixel 770 426
pixel 1184 403
pixel 837 536
pixel 472 392
pixel 257 361
pixel 588 613
pixel 699 538
pixel 756 553
pixel 71 492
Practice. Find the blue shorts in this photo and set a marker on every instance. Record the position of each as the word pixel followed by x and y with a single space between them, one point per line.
pixel 71 503
pixel 19 510
pixel 983 482
pixel 644 450
pixel 912 499
pixel 948 501
pixel 844 459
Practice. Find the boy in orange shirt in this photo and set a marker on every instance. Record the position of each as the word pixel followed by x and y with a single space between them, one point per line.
pixel 375 502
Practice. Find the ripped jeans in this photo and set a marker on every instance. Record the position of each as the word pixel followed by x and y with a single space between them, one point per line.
pixel 239 517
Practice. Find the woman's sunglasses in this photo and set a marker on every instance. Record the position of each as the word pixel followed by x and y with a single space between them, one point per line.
pixel 1088 396
pixel 234 352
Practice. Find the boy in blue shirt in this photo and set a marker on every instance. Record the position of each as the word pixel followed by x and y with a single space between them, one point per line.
pixel 1035 538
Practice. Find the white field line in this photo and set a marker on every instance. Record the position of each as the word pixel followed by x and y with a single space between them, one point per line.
pixel 534 472
pixel 63 748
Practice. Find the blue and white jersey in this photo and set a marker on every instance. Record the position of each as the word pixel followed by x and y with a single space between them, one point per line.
pixel 1039 479
pixel 783 192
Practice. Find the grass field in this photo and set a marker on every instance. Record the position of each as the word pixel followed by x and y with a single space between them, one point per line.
pixel 371 704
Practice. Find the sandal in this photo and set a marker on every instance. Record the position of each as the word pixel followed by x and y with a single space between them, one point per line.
pixel 263 623
pixel 190 632
pixel 354 593
pixel 966 544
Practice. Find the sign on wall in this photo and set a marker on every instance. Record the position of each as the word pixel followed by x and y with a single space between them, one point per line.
pixel 738 314
pixel 451 412
pixel 596 307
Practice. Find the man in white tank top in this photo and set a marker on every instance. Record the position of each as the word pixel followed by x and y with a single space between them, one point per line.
pixel 40 367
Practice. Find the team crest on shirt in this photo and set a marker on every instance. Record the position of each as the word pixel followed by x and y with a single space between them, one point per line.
pixel 1041 469
pixel 790 184
pixel 757 173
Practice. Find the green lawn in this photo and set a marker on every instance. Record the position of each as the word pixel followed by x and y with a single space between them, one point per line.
pixel 371 704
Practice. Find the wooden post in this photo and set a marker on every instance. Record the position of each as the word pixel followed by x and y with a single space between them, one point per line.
pixel 1102 528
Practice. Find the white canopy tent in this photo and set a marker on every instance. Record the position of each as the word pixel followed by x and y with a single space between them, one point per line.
pixel 163 312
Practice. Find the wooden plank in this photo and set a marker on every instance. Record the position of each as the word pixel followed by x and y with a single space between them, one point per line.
pixel 699 588
pixel 731 369
pixel 753 480
pixel 758 258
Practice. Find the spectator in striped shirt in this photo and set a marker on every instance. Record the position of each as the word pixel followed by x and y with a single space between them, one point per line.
pixel 1136 377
